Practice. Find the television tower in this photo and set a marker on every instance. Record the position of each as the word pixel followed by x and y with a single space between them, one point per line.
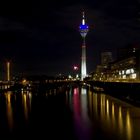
pixel 83 28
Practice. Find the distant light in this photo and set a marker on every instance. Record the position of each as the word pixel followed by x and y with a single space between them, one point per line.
pixel 77 76
pixel 24 81
pixel 70 76
pixel 134 76
pixel 75 68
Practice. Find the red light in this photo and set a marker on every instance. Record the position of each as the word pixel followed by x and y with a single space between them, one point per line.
pixel 75 68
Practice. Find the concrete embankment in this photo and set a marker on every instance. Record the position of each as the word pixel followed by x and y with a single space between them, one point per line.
pixel 128 91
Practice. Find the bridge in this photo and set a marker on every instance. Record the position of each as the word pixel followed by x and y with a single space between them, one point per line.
pixel 36 85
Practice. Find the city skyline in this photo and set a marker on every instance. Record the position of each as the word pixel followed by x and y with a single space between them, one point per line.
pixel 39 37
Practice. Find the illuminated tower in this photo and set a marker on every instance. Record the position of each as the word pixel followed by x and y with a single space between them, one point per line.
pixel 8 71
pixel 83 31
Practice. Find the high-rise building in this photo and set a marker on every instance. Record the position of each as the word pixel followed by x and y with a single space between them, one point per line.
pixel 83 28
pixel 106 57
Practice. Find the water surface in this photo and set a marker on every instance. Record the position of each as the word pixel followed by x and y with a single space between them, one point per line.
pixel 73 114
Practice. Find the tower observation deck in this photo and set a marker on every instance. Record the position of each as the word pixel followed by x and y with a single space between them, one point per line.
pixel 83 28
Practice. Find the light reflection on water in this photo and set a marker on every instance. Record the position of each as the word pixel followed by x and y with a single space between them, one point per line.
pixel 81 119
pixel 26 103
pixel 25 108
pixel 114 117
pixel 9 110
pixel 11 102
pixel 93 115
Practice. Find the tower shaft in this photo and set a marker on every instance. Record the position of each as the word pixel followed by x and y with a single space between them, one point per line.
pixel 83 60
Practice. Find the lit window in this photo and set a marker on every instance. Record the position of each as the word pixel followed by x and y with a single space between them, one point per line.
pixel 128 71
pixel 119 72
pixel 124 76
pixel 132 70
pixel 134 75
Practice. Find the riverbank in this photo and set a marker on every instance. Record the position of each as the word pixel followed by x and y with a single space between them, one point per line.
pixel 126 91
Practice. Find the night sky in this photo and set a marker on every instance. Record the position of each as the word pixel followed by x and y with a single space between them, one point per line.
pixel 42 37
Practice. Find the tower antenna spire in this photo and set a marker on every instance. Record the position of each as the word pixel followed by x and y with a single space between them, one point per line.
pixel 83 20
pixel 83 14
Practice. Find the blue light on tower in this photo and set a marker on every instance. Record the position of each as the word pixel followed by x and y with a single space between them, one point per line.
pixel 83 28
